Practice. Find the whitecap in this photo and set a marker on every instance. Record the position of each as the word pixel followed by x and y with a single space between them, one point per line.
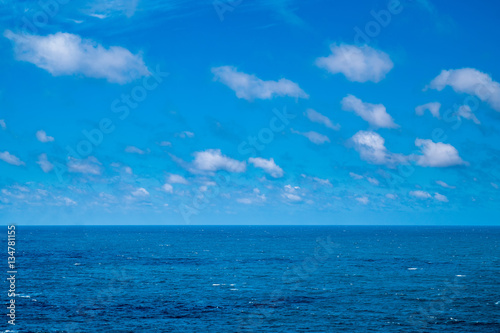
pixel 461 275
pixel 215 284
pixel 412 269
pixel 77 264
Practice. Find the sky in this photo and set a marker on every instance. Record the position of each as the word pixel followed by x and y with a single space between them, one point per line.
pixel 249 112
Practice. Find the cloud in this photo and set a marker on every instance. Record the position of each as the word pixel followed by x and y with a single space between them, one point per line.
pixel 355 176
pixel 165 144
pixel 358 64
pixel 267 165
pixel 465 112
pixel 177 179
pixel 433 107
pixel 168 188
pixel 11 159
pixel 250 87
pixel 440 197
pixel 469 81
pixel 44 163
pixel 495 185
pixel 437 154
pixel 443 184
pixel 314 137
pixel 141 192
pixel 374 114
pixel 317 117
pixel 42 136
pixel 213 160
pixel 68 54
pixel 373 181
pixel 185 134
pixel 134 150
pixel 363 200
pixel 3 125
pixel 89 165
pixel 256 197
pixel 391 196
pixel 291 193
pixel 371 148
pixel 426 195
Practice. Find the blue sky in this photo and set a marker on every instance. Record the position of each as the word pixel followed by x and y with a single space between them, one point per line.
pixel 249 112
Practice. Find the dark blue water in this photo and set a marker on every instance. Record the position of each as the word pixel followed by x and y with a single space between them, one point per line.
pixel 257 279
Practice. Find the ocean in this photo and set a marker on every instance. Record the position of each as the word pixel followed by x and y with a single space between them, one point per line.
pixel 255 279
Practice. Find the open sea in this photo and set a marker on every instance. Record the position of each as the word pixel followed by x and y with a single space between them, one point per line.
pixel 255 279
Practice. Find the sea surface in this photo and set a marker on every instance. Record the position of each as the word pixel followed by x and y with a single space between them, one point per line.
pixel 255 279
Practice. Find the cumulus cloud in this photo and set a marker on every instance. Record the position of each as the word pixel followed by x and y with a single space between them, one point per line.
pixel 43 137
pixel 437 154
pixel 90 165
pixel 291 193
pixel 317 117
pixel 314 137
pixel 134 150
pixel 168 188
pixel 358 64
pixel 469 81
pixel 375 114
pixel 185 134
pixel 250 87
pixel 140 192
pixel 68 54
pixel 440 197
pixel 268 166
pixel 426 195
pixel 371 148
pixel 465 112
pixel 44 163
pixel 11 159
pixel 213 160
pixel 443 184
pixel 433 108
pixel 177 179
pixel 355 176
pixel 363 200
pixel 3 125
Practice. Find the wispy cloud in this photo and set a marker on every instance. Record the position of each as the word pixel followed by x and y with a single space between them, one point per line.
pixel 375 114
pixel 11 159
pixel 89 165
pixel 213 160
pixel 317 117
pixel 433 107
pixel 314 137
pixel 268 166
pixel 44 163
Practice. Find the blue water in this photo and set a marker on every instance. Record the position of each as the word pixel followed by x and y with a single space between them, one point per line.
pixel 257 279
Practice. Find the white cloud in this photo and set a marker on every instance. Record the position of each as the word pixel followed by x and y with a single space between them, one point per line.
pixel 168 188
pixel 11 159
pixel 44 163
pixel 291 193
pixel 185 134
pixel 440 197
pixel 420 194
pixel 268 166
pixel 165 144
pixel 141 192
pixel 371 148
pixel 177 179
pixel 89 165
pixel 250 87
pixel 3 125
pixel 134 150
pixel 495 185
pixel 68 54
pixel 213 160
pixel 437 154
pixel 355 176
pixel 363 200
pixel 43 137
pixel 317 117
pixel 465 112
pixel 314 137
pixel 391 196
pixel 246 201
pixel 433 107
pixel 358 64
pixel 469 81
pixel 443 184
pixel 375 114
pixel 373 181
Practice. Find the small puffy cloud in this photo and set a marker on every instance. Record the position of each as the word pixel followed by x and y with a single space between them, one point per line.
pixel 89 165
pixel 443 184
pixel 469 81
pixel 213 160
pixel 433 108
pixel 134 150
pixel 250 87
pixel 355 176
pixel 375 114
pixel 371 148
pixel 363 200
pixel 317 117
pixel 177 179
pixel 68 54
pixel 314 137
pixel 268 166
pixel 44 163
pixel 165 144
pixel 3 125
pixel 437 154
pixel 43 137
pixel 168 188
pixel 11 159
pixel 291 193
pixel 256 197
pixel 373 181
pixel 420 194
pixel 141 192
pixel 358 64
pixel 465 112
pixel 391 196
pixel 185 134
pixel 440 197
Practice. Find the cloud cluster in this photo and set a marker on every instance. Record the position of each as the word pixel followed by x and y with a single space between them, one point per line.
pixel 250 87
pixel 68 54
pixel 358 64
